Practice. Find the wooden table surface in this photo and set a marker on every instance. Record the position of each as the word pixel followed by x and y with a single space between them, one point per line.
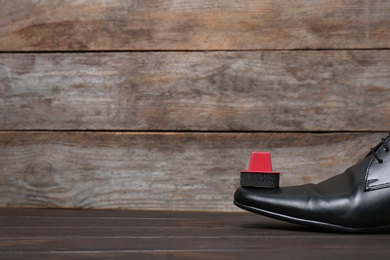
pixel 103 234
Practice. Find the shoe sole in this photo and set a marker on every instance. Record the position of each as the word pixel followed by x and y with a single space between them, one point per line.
pixel 312 223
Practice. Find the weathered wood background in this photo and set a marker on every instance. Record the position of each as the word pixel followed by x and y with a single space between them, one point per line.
pixel 158 104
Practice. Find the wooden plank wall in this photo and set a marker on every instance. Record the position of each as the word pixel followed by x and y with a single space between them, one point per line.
pixel 158 104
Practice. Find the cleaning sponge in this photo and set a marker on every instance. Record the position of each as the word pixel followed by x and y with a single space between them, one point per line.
pixel 259 173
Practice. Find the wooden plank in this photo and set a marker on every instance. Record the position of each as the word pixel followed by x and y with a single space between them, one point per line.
pixel 134 224
pixel 212 91
pixel 191 243
pixel 192 25
pixel 319 254
pixel 244 235
pixel 176 171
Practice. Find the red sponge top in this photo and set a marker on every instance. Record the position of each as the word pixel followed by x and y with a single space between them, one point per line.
pixel 260 162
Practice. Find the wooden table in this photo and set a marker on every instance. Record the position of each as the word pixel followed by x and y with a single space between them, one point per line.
pixel 102 234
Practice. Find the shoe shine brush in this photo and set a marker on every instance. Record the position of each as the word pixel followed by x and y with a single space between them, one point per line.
pixel 259 173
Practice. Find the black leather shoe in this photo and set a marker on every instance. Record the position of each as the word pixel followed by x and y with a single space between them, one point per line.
pixel 357 200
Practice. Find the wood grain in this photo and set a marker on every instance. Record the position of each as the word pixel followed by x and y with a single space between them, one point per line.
pixel 157 104
pixel 171 171
pixel 212 91
pixel 92 234
pixel 192 25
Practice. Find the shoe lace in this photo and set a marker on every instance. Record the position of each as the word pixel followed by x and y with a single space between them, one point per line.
pixel 385 145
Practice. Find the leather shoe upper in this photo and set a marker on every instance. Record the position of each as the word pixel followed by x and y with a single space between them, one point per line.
pixel 357 199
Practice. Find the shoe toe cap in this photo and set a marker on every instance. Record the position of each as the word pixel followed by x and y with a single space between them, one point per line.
pixel 298 201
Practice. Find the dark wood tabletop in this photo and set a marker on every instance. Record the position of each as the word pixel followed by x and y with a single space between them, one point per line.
pixel 107 234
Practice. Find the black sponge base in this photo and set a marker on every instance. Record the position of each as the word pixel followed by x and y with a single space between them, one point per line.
pixel 259 179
